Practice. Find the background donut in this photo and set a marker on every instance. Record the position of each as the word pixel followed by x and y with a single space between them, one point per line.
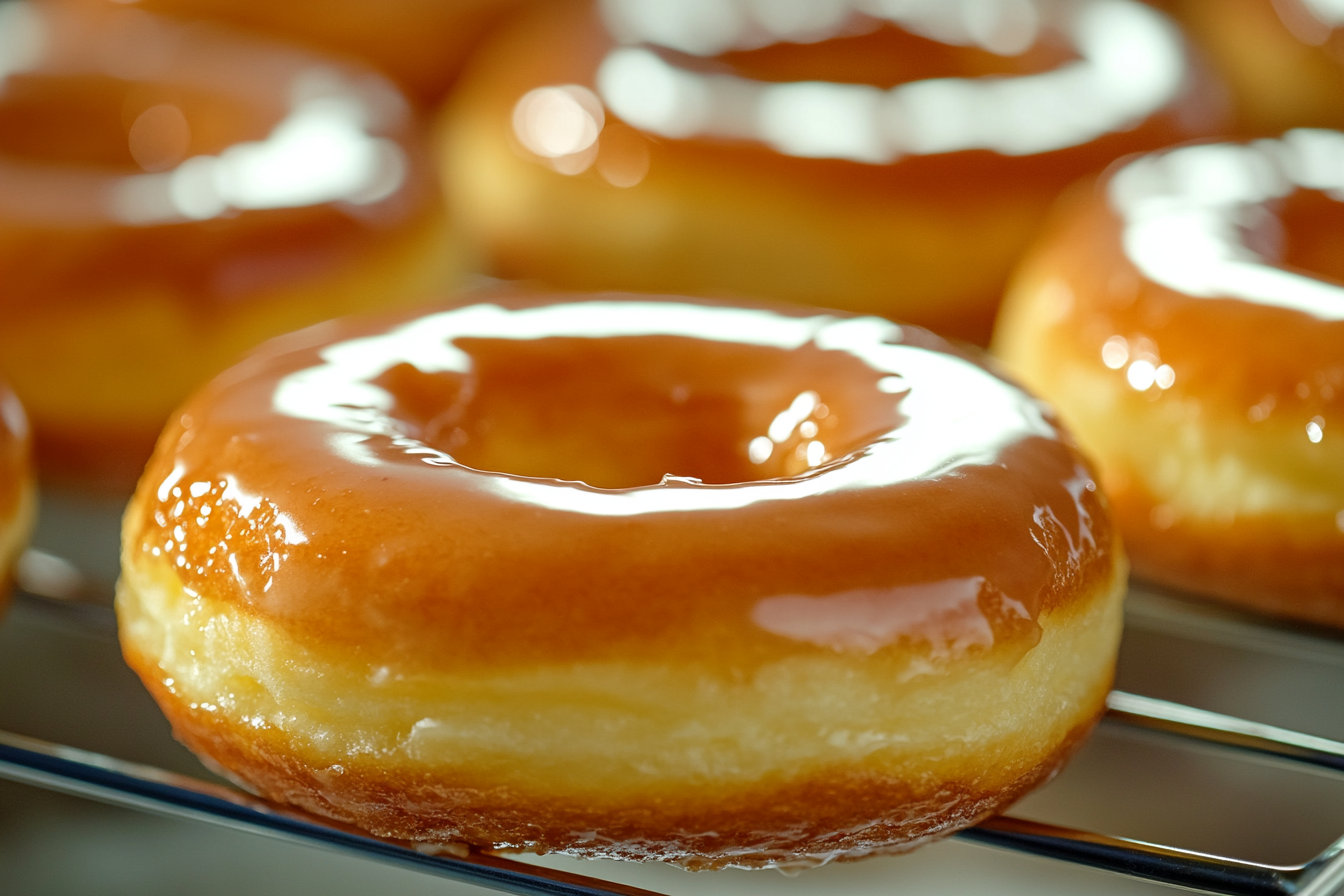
pixel 1187 319
pixel 172 195
pixel 887 162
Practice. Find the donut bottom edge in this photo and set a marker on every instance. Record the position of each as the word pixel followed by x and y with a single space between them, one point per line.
pixel 796 812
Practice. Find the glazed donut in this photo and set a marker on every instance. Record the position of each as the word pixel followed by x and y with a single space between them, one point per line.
pixel 624 577
pixel 1187 319
pixel 1280 59
pixel 17 495
pixel 422 44
pixel 719 148
pixel 171 196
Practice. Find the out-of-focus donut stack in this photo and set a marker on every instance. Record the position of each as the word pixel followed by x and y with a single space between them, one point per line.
pixel 1155 186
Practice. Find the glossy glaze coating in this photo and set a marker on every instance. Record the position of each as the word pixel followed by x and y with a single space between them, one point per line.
pixel 169 197
pixel 1187 318
pixel 419 461
pixel 422 44
pixel 886 162
pixel 805 572
pixel 16 485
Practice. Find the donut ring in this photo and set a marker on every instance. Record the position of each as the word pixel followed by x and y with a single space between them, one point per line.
pixel 18 499
pixel 703 148
pixel 172 195
pixel 1188 320
pixel 362 576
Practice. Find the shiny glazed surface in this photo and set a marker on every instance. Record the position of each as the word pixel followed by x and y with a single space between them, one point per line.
pixel 824 587
pixel 417 498
pixel 892 163
pixel 169 197
pixel 1187 317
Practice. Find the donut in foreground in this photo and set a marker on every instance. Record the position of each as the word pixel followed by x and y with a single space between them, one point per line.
pixel 1187 319
pixel 625 577
pixel 17 494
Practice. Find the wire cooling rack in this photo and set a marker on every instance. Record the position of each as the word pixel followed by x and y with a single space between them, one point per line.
pixel 56 590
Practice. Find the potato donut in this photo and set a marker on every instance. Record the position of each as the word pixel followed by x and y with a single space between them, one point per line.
pixel 171 196
pixel 1187 319
pixel 625 577
pixel 893 159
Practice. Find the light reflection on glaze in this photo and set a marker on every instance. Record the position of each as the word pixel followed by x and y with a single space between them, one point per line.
pixel 1185 215
pixel 1132 65
pixel 945 615
pixel 957 413
pixel 325 148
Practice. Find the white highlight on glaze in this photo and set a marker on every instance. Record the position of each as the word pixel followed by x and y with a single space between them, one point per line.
pixel 956 413
pixel 944 614
pixel 788 419
pixel 558 121
pixel 1185 213
pixel 1132 64
pixel 321 152
pixel 324 149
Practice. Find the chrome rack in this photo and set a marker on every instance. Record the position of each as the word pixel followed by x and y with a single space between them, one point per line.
pixel 99 777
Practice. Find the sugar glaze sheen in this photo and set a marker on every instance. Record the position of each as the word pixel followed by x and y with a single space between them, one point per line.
pixel 772 554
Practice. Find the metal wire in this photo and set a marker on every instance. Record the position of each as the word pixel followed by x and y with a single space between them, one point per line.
pixel 103 778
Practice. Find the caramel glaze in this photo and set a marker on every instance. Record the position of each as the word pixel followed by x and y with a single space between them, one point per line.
pixel 1249 379
pixel 141 311
pixel 447 565
pixel 927 238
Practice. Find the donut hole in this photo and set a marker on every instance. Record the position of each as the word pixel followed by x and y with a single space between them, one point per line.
pixel 1310 225
pixel 626 412
pixel 107 122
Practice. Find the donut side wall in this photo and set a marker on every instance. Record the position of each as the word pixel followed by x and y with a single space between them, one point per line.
pixel 817 756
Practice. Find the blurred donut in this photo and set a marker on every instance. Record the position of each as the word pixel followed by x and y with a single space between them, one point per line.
pixel 893 159
pixel 169 197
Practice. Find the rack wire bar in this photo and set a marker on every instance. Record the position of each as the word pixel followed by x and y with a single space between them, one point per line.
pixel 142 787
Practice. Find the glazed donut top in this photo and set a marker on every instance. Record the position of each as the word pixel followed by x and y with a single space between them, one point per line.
pixel 1231 287
pixel 549 480
pixel 117 122
pixel 836 80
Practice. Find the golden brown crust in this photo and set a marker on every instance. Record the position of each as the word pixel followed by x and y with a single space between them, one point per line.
pixel 844 812
pixel 772 656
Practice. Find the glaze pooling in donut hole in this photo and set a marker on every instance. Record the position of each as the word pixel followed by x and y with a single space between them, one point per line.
pixel 625 577
pixel 171 196
pixel 1187 317
pixel 892 158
